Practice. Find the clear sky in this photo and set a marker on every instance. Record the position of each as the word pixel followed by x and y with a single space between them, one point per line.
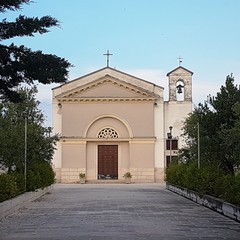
pixel 145 37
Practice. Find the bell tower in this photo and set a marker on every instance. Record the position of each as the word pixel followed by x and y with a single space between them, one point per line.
pixel 177 108
pixel 180 84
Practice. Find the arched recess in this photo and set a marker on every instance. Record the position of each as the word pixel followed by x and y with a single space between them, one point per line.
pixel 180 90
pixel 120 125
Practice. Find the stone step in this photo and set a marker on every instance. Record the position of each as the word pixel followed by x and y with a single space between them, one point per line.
pixel 107 181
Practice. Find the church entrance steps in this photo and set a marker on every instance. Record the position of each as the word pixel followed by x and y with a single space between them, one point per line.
pixel 105 181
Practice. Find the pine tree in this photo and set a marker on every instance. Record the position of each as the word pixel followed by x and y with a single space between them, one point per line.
pixel 19 64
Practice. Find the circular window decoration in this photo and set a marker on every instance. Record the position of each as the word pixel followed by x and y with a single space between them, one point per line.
pixel 107 133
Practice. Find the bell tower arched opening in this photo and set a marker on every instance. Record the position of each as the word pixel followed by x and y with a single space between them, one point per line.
pixel 180 84
pixel 180 91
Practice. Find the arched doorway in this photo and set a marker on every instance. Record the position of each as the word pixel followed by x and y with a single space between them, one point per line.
pixel 107 148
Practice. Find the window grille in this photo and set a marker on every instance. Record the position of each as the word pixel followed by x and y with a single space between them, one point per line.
pixel 107 133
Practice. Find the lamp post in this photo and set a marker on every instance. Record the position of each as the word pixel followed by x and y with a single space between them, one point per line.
pixel 25 151
pixel 198 128
pixel 170 142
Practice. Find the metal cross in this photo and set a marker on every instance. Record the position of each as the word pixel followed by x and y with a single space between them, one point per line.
pixel 179 60
pixel 107 54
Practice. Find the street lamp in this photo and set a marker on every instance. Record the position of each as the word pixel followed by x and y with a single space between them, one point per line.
pixel 198 136
pixel 25 149
pixel 170 141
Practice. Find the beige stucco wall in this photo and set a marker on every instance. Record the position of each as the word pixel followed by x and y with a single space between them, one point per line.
pixel 73 155
pixel 142 160
pixel 141 154
pixel 175 115
pixel 108 90
pixel 76 117
pixel 104 121
pixel 91 161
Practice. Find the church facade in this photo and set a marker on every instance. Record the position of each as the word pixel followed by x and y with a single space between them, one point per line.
pixel 111 123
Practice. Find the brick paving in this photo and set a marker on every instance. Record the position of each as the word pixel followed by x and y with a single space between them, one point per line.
pixel 120 211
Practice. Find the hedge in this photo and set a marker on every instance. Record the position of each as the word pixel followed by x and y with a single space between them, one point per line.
pixel 206 180
pixel 8 187
pixel 39 175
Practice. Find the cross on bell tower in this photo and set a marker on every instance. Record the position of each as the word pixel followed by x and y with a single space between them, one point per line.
pixel 180 60
pixel 108 55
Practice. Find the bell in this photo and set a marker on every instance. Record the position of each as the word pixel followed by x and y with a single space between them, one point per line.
pixel 179 89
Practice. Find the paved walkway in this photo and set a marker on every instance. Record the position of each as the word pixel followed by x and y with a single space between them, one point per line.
pixel 121 211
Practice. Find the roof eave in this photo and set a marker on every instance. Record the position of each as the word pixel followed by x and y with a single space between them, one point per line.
pixel 179 68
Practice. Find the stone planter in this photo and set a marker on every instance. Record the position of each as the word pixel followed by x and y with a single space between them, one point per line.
pixel 127 177
pixel 82 180
pixel 127 180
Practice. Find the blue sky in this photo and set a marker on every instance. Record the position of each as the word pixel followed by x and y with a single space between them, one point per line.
pixel 145 37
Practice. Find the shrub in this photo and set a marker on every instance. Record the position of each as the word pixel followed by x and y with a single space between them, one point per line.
pixel 206 180
pixel 231 189
pixel 82 175
pixel 46 173
pixel 175 174
pixel 20 181
pixel 209 176
pixel 127 175
pixel 190 176
pixel 39 175
pixel 33 180
pixel 8 187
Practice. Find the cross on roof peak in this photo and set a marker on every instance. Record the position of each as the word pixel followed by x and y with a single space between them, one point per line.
pixel 108 55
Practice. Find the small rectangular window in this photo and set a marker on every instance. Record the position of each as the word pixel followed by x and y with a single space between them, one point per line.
pixel 173 142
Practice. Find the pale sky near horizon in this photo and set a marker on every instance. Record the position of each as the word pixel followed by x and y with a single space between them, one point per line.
pixel 145 37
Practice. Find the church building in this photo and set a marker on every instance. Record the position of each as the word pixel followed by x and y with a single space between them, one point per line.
pixel 111 123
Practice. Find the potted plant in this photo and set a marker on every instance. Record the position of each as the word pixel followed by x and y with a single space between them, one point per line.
pixel 127 177
pixel 82 177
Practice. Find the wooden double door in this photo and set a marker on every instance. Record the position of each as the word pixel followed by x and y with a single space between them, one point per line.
pixel 107 162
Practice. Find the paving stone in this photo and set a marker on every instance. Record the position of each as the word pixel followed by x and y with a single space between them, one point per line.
pixel 121 211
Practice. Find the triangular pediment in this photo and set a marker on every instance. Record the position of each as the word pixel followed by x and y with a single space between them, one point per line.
pixel 107 83
pixel 180 70
pixel 107 87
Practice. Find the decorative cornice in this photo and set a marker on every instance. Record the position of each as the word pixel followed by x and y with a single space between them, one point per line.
pixel 76 139
pixel 102 99
pixel 178 68
pixel 75 94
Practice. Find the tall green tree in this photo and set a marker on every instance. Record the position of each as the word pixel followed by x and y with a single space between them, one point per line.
pixel 19 64
pixel 14 117
pixel 219 121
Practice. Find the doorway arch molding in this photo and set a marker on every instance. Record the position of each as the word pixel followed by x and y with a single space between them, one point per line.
pixel 115 117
